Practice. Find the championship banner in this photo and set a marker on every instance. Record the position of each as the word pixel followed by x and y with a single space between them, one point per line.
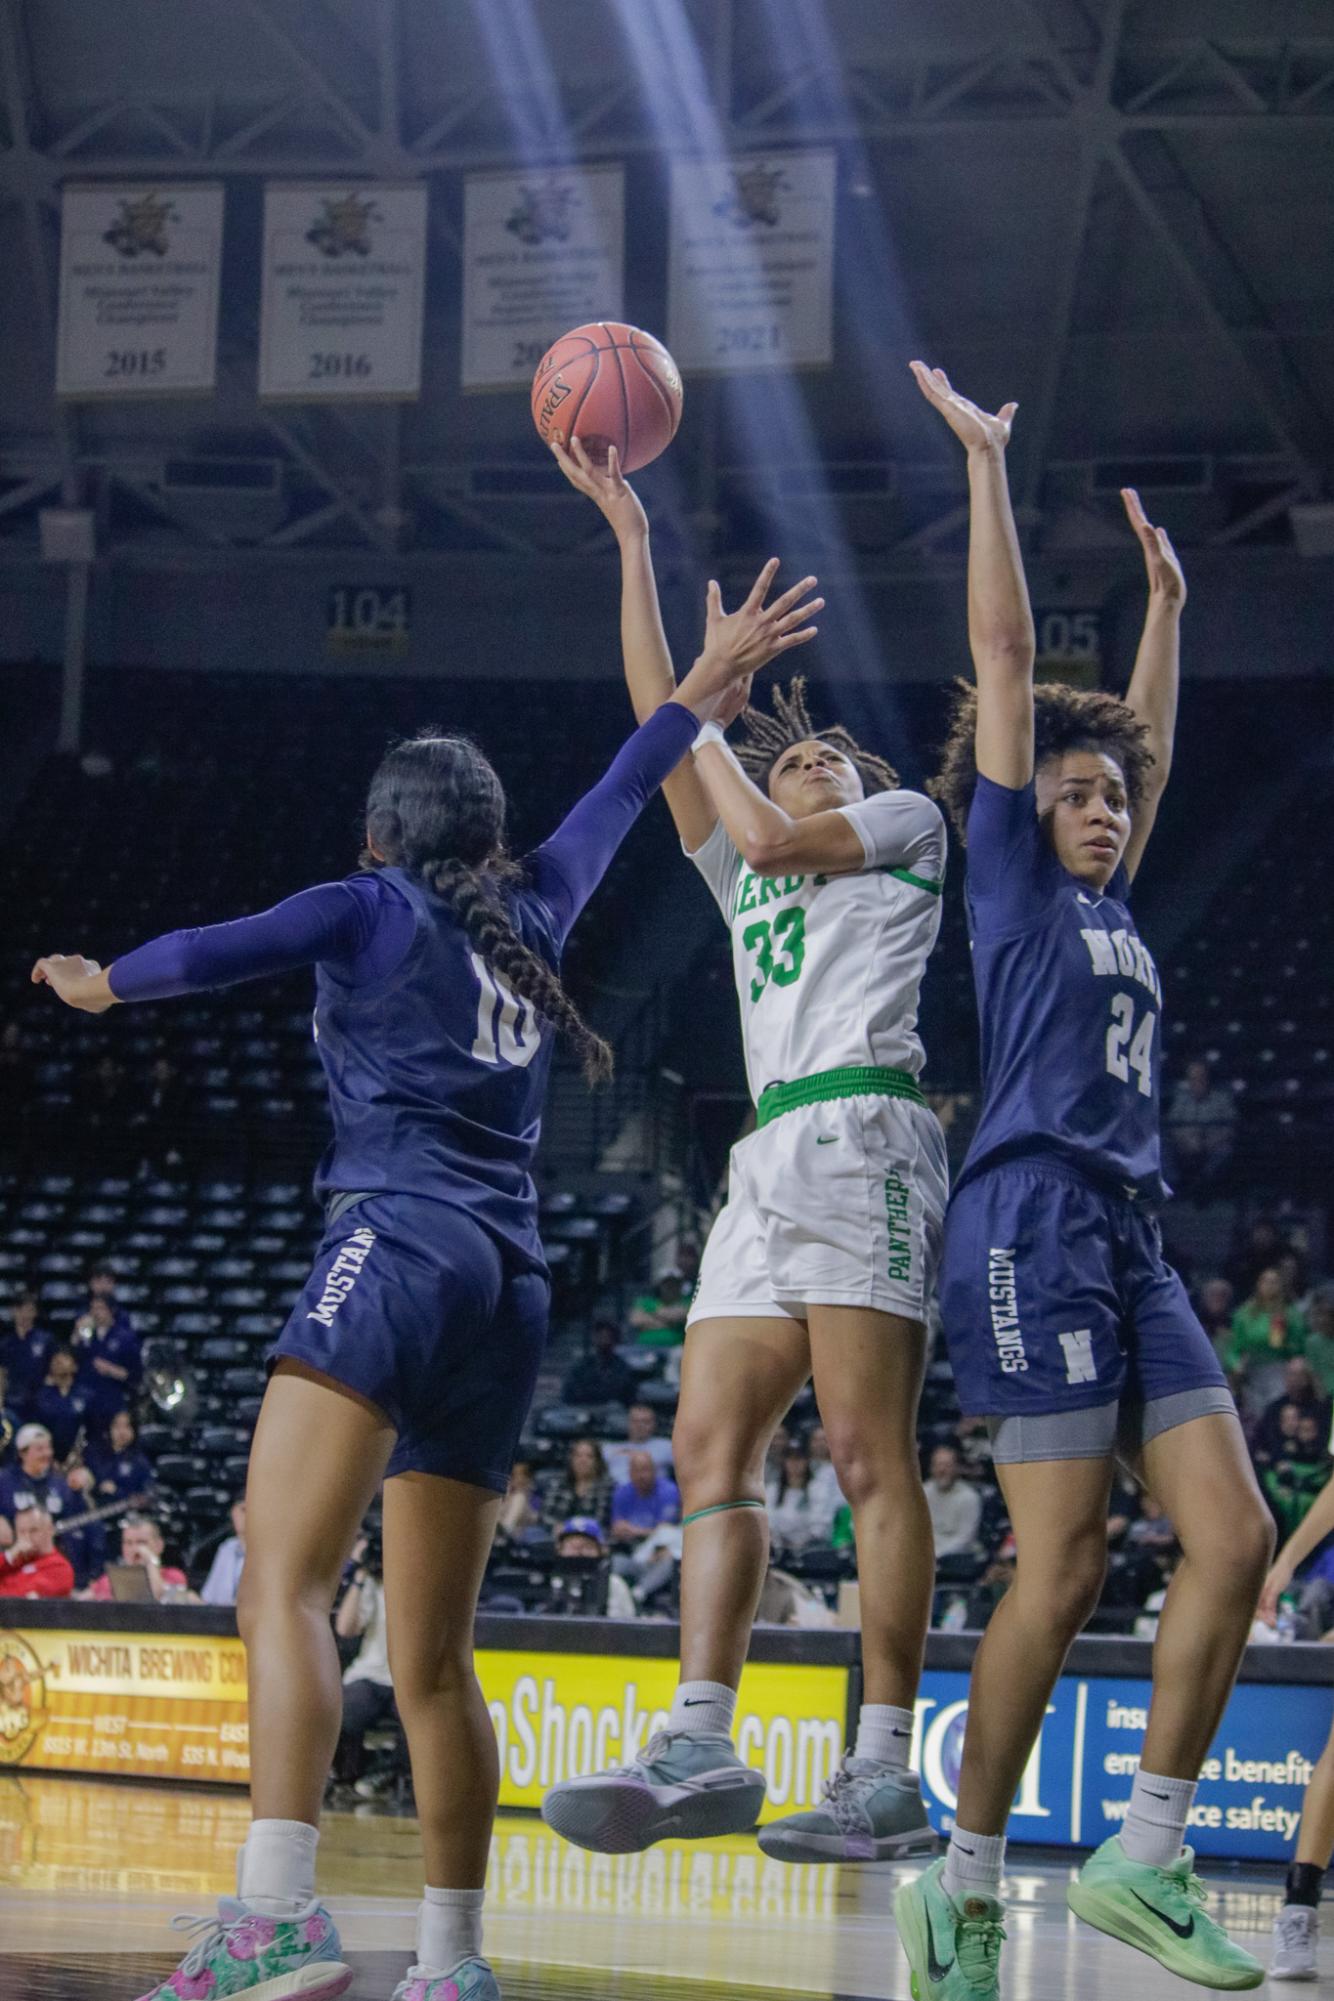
pixel 147 1705
pixel 751 263
pixel 542 252
pixel 138 290
pixel 344 290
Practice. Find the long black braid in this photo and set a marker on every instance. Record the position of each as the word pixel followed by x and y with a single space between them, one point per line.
pixel 768 737
pixel 436 808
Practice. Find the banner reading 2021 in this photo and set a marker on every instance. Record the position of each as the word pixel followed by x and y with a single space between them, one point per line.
pixel 344 287
pixel 146 1705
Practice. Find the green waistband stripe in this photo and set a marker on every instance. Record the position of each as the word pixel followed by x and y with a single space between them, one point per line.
pixel 918 881
pixel 851 1082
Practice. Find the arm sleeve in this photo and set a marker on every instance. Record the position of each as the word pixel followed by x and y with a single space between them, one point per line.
pixel 1010 865
pixel 720 864
pixel 904 830
pixel 331 921
pixel 567 868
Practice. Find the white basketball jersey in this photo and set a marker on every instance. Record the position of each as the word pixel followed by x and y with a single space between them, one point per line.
pixel 828 968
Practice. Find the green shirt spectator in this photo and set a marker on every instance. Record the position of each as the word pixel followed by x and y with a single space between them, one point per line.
pixel 1320 1338
pixel 842 1535
pixel 1266 1328
pixel 658 1316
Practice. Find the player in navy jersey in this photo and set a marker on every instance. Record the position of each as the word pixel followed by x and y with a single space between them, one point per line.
pixel 411 1354
pixel 1066 1329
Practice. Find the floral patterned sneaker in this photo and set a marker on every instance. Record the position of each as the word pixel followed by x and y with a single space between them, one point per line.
pixel 266 1959
pixel 470 1980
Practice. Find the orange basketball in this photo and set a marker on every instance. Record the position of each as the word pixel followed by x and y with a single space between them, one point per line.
pixel 609 384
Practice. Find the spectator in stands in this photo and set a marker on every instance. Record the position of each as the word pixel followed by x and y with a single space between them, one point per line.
pixel 224 1574
pixel 142 1542
pixel 643 1502
pixel 972 1441
pixel 825 1491
pixel 1267 1331
pixel 795 1516
pixel 954 1504
pixel 1125 1506
pixel 1320 1338
pixel 119 1469
pixel 990 1587
pixel 34 1482
pixel 157 1122
pixel 641 1426
pixel 62 1406
pixel 658 1316
pixel 581 1536
pixel 368 1684
pixel 584 1488
pixel 10 1419
pixel 26 1352
pixel 1301 1397
pixel 1200 1128
pixel 1262 1246
pixel 601 1375
pixel 1152 1537
pixel 779 1446
pixel 32 1566
pixel 1297 1473
pixel 1215 1304
pixel 687 1264
pixel 520 1511
pixel 109 1357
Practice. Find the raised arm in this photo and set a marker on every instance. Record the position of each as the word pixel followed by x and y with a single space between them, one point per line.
pixel 649 673
pixel 1152 693
pixel 1000 622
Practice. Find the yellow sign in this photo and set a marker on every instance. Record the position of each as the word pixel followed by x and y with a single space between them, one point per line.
pixel 159 1706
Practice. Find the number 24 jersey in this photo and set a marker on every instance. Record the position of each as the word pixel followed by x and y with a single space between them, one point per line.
pixel 828 968
pixel 1069 1003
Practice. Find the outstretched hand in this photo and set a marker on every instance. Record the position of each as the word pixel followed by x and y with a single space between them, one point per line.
pixel 738 644
pixel 77 981
pixel 976 429
pixel 605 486
pixel 1166 579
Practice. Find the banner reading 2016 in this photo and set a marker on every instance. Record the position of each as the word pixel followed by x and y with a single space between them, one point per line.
pixel 138 290
pixel 752 262
pixel 344 288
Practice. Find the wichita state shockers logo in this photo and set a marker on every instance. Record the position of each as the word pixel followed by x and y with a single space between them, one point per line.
pixel 344 228
pixel 141 227
pixel 544 211
pixel 755 197
pixel 22 1698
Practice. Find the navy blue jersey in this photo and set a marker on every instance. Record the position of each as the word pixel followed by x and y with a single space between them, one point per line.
pixel 1069 1003
pixel 437 1073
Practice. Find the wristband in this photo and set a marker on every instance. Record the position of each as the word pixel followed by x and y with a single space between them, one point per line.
pixel 709 733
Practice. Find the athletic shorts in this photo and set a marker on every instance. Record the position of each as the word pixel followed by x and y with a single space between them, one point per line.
pixel 1065 1327
pixel 836 1203
pixel 415 1307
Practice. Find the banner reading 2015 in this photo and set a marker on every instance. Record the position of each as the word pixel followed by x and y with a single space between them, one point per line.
pixel 138 290
pixel 344 289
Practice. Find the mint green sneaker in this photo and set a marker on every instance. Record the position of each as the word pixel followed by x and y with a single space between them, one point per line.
pixel 470 1980
pixel 1160 1911
pixel 953 1948
pixel 868 1814
pixel 266 1959
pixel 682 1787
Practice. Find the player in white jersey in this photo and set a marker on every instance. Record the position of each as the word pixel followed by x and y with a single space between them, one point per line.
pixel 821 1262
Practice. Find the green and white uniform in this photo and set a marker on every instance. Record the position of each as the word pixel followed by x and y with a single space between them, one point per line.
pixel 838 1196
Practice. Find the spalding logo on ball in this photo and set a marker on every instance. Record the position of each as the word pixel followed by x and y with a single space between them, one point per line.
pixel 609 384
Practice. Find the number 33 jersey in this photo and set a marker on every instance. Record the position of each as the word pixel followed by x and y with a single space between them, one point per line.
pixel 828 967
pixel 1069 1003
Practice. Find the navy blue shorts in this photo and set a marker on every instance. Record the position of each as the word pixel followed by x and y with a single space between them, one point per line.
pixel 1055 1297
pixel 414 1306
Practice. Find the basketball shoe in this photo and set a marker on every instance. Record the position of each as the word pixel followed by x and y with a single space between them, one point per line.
pixel 868 1814
pixel 681 1785
pixel 953 1944
pixel 266 1959
pixel 1160 1911
pixel 470 1980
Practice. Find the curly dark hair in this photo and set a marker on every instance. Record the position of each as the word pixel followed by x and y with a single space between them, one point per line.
pixel 1064 719
pixel 767 737
pixel 436 808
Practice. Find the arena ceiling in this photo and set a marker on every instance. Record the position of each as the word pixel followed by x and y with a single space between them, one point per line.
pixel 1117 211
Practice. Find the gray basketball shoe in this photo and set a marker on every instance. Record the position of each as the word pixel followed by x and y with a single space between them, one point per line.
pixel 868 1814
pixel 680 1787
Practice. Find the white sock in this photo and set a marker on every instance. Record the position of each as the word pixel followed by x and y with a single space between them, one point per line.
pixel 884 1734
pixel 1154 1830
pixel 973 1864
pixel 703 1709
pixel 275 1870
pixel 449 1928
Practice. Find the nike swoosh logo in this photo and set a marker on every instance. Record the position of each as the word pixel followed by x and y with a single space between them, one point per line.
pixel 826 1140
pixel 1156 1796
pixel 695 1701
pixel 935 1971
pixel 1182 1931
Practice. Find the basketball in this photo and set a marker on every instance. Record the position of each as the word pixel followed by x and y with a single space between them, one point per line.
pixel 609 384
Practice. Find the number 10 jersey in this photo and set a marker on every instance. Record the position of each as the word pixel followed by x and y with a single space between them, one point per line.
pixel 828 968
